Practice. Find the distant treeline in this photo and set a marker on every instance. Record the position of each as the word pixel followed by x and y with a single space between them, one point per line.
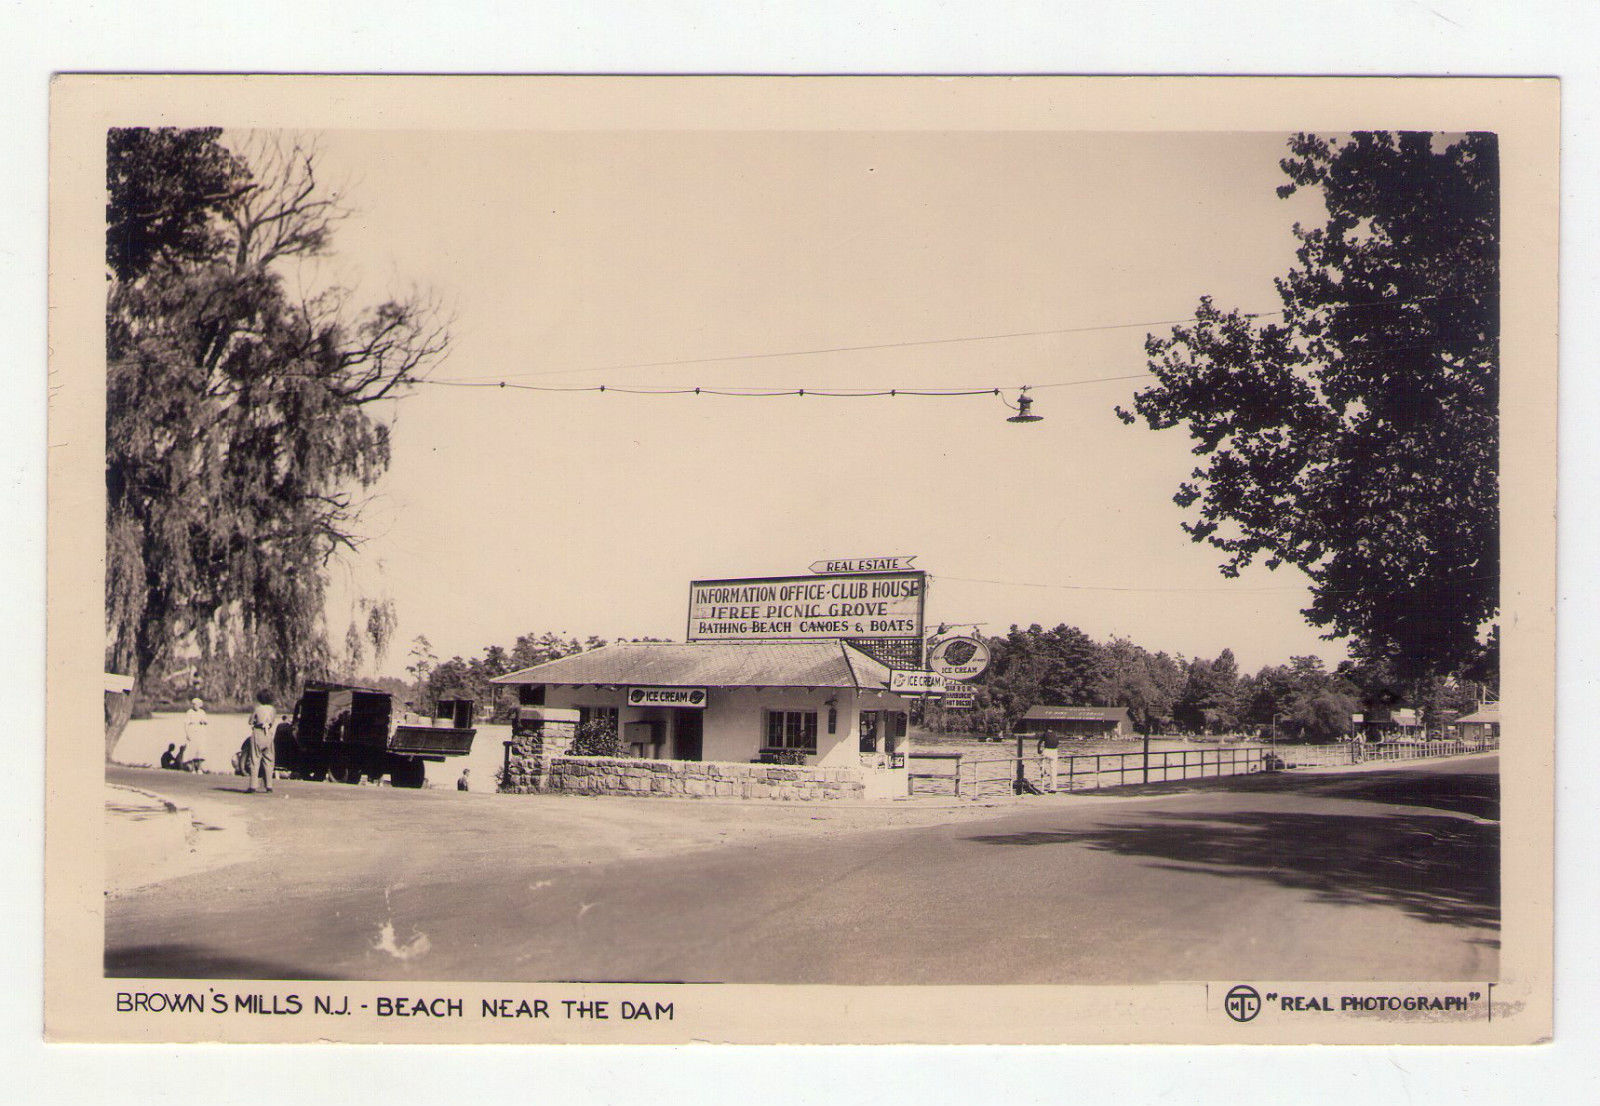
pixel 469 677
pixel 1164 693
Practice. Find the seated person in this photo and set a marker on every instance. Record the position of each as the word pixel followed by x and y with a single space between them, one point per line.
pixel 168 760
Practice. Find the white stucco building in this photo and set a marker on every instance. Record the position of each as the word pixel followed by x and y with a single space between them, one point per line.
pixel 820 703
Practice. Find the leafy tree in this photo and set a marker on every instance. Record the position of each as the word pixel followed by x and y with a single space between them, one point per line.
pixel 167 189
pixel 531 649
pixel 1357 438
pixel 381 622
pixel 1211 697
pixel 354 652
pixel 239 431
pixel 1301 701
pixel 1059 666
pixel 1148 685
pixel 422 661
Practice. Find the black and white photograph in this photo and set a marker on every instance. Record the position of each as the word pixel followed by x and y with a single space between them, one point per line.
pixel 554 569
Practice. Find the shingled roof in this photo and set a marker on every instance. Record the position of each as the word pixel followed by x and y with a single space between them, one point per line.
pixel 712 664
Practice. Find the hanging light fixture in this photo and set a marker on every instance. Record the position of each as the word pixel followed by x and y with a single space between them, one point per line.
pixel 1024 408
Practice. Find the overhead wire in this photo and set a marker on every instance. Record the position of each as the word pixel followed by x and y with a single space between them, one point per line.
pixel 514 380
pixel 868 346
pixel 1214 588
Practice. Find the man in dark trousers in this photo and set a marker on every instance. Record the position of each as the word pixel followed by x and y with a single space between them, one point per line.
pixel 258 750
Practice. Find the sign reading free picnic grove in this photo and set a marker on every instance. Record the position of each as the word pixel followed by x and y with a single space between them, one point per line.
pixel 864 605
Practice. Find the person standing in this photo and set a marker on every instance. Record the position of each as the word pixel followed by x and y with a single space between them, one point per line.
pixel 463 784
pixel 195 724
pixel 258 757
pixel 1050 747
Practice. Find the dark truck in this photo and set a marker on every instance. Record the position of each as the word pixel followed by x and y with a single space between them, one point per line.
pixel 345 733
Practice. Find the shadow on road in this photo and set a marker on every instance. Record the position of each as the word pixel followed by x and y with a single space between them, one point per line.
pixel 1435 868
pixel 1473 793
pixel 1476 793
pixel 179 961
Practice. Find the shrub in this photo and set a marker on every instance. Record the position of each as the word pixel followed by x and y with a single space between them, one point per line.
pixel 596 739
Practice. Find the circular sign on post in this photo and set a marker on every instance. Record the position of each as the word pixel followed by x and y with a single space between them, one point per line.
pixel 959 658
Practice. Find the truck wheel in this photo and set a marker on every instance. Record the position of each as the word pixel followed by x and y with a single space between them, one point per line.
pixel 408 773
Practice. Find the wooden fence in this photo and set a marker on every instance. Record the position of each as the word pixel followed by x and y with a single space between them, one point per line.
pixel 976 777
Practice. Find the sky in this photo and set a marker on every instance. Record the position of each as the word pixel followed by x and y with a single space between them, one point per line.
pixel 589 258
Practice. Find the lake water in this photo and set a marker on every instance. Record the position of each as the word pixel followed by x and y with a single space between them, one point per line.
pixel 146 739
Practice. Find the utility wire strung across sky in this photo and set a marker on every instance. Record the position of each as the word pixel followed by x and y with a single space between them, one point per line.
pixel 932 342
pixel 513 380
pixel 769 393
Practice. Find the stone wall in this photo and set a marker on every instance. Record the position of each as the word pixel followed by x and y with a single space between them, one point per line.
pixel 538 735
pixel 698 779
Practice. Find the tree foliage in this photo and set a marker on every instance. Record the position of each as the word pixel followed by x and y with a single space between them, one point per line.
pixel 1300 701
pixel 1357 437
pixel 239 428
pixel 1211 696
pixel 470 677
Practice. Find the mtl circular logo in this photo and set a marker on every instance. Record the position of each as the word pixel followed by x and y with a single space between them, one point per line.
pixel 1242 1003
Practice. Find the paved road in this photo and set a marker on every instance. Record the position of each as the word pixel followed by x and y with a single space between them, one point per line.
pixel 1375 875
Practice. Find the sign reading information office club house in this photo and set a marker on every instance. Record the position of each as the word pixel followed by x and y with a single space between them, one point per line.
pixel 777 608
pixel 666 697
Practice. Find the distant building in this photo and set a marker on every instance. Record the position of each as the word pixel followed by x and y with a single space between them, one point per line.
pixel 1388 723
pixel 1078 722
pixel 1482 724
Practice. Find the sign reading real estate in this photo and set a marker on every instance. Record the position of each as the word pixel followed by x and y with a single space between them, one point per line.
pixel 959 658
pixel 666 697
pixel 902 682
pixel 863 564
pixel 861 605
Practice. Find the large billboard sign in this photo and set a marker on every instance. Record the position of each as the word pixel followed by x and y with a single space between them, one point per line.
pixel 877 605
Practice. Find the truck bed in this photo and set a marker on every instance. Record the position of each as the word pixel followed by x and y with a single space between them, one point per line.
pixel 424 740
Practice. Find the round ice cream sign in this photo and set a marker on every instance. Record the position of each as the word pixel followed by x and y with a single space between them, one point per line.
pixel 666 696
pixel 959 658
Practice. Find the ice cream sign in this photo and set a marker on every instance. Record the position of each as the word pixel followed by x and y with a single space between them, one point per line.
pixel 666 697
pixel 959 658
pixel 903 682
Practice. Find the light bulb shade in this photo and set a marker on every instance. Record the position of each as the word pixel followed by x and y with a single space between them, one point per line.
pixel 1025 410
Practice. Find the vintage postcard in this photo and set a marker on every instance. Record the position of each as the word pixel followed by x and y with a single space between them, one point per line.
pixel 801 560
